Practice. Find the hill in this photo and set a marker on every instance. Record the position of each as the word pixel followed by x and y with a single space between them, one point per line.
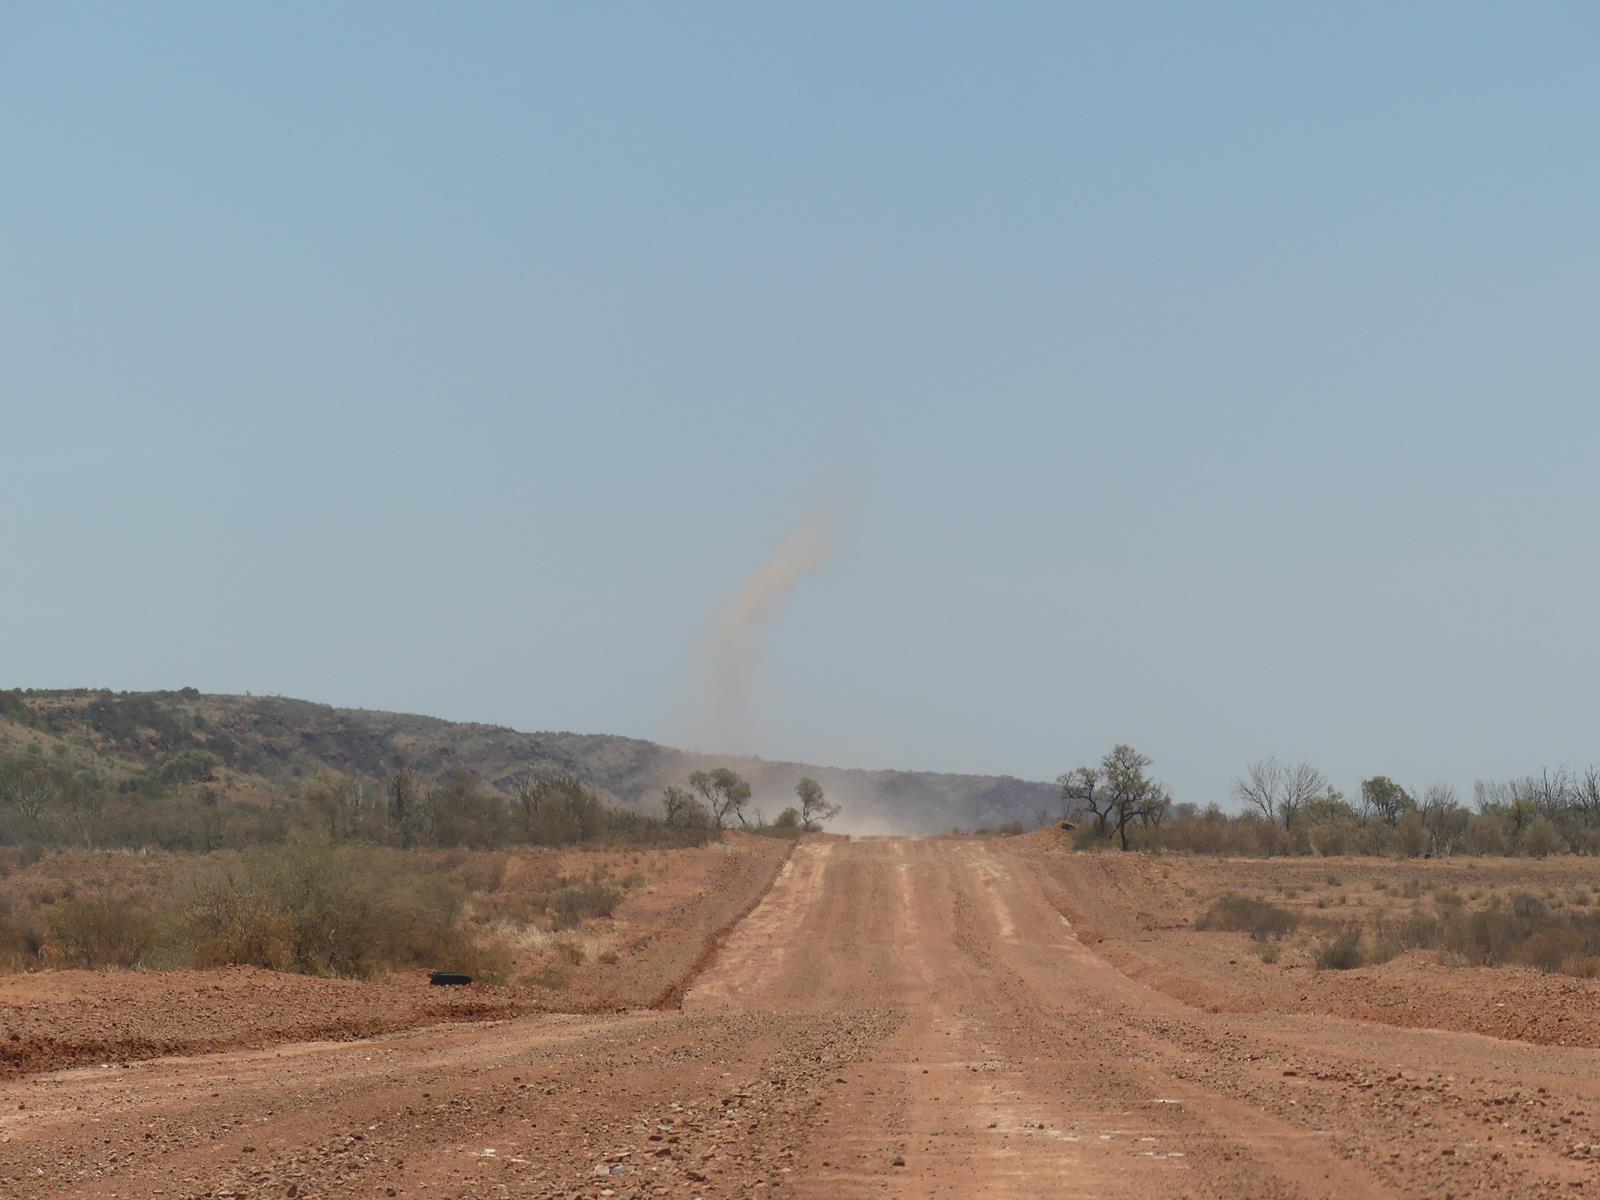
pixel 250 748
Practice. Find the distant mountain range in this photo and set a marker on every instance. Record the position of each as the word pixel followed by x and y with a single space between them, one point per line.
pixel 263 744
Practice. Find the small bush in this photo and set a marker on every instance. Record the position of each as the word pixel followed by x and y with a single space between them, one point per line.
pixel 1233 913
pixel 101 931
pixel 1547 948
pixel 576 901
pixel 1526 906
pixel 1340 953
pixel 20 946
pixel 552 976
pixel 1581 966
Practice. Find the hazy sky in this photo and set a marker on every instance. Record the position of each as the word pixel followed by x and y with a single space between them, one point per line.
pixel 1219 378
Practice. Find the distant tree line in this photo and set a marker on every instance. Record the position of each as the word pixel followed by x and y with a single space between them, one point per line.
pixel 1293 809
pixel 721 796
pixel 180 804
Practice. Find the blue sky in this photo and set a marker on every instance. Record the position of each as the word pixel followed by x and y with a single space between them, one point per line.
pixel 1216 378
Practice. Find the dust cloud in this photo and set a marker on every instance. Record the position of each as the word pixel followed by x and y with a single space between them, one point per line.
pixel 806 550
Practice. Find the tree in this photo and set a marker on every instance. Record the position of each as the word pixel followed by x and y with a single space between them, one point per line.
pixel 1586 795
pixel 403 807
pixel 1385 799
pixel 84 800
pixel 462 813
pixel 814 806
pixel 1129 794
pixel 1280 793
pixel 1302 783
pixel 553 812
pixel 29 787
pixel 724 793
pixel 675 804
pixel 789 818
pixel 1442 816
pixel 335 799
pixel 1411 833
pixel 1080 794
pixel 1261 787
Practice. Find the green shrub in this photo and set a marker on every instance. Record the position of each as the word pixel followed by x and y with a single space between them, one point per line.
pixel 1341 952
pixel 1234 913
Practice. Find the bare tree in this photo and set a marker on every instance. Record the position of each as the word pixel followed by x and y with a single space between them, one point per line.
pixel 404 812
pixel 1442 816
pixel 1302 783
pixel 1080 794
pixel 1262 787
pixel 1586 795
pixel 30 788
pixel 1551 792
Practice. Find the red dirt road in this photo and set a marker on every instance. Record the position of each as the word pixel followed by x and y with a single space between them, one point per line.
pixel 897 1018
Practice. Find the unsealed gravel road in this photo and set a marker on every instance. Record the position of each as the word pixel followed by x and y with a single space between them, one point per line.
pixel 898 1018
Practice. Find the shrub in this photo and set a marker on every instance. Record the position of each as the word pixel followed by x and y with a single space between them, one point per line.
pixel 324 910
pixel 576 901
pixel 101 931
pixel 229 921
pixel 552 976
pixel 20 946
pixel 1581 966
pixel 1416 932
pixel 1550 946
pixel 1527 906
pixel 1341 952
pixel 1244 914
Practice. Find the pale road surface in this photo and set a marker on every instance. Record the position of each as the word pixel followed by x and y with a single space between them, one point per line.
pixel 897 1018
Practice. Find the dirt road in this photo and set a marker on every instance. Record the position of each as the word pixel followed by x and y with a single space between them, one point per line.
pixel 897 1018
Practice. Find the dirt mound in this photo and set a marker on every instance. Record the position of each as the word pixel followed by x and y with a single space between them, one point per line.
pixel 664 932
pixel 60 1018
